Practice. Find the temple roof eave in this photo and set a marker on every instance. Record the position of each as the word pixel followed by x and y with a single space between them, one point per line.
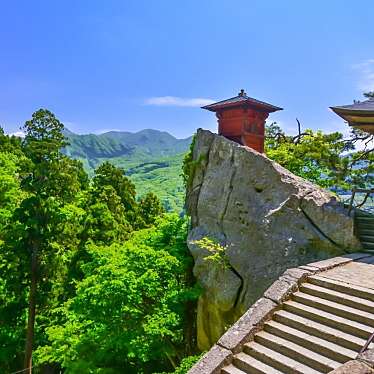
pixel 242 101
pixel 341 110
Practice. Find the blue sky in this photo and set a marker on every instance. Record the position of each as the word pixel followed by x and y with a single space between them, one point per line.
pixel 130 65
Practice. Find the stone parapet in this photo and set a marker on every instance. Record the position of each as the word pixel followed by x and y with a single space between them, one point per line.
pixel 213 361
pixel 252 321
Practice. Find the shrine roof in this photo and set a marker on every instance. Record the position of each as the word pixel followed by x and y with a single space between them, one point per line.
pixel 242 100
pixel 359 114
pixel 366 106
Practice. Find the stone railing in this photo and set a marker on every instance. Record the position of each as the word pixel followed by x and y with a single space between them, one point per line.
pixel 252 321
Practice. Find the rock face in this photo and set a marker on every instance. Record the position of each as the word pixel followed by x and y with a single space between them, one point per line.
pixel 266 219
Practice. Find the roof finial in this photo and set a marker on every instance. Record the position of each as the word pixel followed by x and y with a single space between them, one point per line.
pixel 242 93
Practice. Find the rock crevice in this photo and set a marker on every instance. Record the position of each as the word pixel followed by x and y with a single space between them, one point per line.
pixel 314 224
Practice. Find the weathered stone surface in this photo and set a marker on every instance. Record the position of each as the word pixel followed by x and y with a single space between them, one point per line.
pixel 248 324
pixel 221 289
pixel 357 273
pixel 281 289
pixel 267 218
pixel 330 263
pixel 367 358
pixel 309 268
pixel 353 367
pixel 212 361
pixel 299 274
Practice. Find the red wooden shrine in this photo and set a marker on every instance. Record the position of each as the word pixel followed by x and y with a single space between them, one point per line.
pixel 242 119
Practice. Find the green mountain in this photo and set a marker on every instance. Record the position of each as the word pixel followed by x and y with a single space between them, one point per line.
pixel 151 158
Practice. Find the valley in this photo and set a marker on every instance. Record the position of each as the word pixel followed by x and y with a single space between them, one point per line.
pixel 151 158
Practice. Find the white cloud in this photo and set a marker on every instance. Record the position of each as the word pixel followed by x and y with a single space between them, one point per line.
pixel 366 75
pixel 20 134
pixel 178 101
pixel 103 131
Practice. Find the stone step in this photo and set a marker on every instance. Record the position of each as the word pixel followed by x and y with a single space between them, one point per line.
pixel 367 238
pixel 251 365
pixel 339 297
pixel 363 223
pixel 231 369
pixel 364 226
pixel 364 218
pixel 367 245
pixel 320 330
pixel 318 345
pixel 343 324
pixel 365 231
pixel 332 307
pixel 277 360
pixel 297 352
pixel 361 213
pixel 349 289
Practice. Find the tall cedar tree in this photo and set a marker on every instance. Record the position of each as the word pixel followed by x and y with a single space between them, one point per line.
pixel 109 175
pixel 51 181
pixel 150 209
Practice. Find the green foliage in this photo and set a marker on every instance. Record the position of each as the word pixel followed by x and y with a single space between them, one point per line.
pixel 109 175
pixel 150 208
pixel 128 308
pixel 217 252
pixel 10 192
pixel 325 159
pixel 152 159
pixel 10 144
pixel 106 275
pixel 114 290
pixel 186 364
pixel 188 167
pixel 160 176
pixel 105 220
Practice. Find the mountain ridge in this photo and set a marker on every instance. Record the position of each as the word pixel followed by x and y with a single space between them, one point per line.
pixel 123 143
pixel 151 158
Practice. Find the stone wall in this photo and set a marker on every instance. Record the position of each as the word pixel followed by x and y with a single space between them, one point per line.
pixel 266 218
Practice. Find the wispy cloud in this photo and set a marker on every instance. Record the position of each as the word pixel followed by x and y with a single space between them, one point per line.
pixel 20 134
pixel 103 131
pixel 178 101
pixel 366 75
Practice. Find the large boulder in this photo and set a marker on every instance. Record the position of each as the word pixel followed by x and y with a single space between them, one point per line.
pixel 265 219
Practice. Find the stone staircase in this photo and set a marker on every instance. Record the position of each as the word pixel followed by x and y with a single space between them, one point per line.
pixel 321 326
pixel 364 226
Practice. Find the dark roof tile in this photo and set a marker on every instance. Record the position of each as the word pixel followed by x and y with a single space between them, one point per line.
pixel 242 98
pixel 367 105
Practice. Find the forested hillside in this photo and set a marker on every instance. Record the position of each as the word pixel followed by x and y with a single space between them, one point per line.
pixel 97 279
pixel 152 159
pixel 92 278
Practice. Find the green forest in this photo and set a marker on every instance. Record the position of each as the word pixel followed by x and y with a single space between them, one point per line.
pixel 96 277
pixel 93 280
